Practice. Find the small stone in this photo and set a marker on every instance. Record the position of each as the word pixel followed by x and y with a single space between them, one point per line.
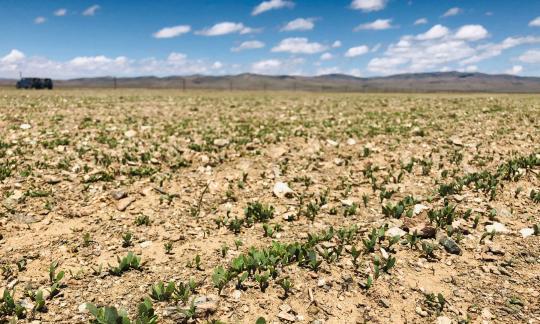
pixel 82 308
pixel 123 204
pixel 351 141
pixel 130 133
pixel 282 190
pixel 286 316
pixel 395 231
pixel 321 282
pixel 418 208
pixel 486 314
pixel 146 244
pixel 236 294
pixel 497 228
pixel 285 308
pixel 526 232
pixel 450 245
pixel 331 142
pixel 25 126
pixel 456 141
pixel 118 194
pixel 221 142
pixel 421 312
pixel 206 304
pixel 384 302
pixel 443 320
pixel 53 180
pixel 347 202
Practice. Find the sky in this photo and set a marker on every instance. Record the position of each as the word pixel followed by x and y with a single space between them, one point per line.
pixel 67 39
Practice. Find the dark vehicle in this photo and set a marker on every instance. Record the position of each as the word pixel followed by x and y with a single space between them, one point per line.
pixel 34 83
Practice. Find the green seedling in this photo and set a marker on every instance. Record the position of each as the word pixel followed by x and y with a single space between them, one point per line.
pixel 162 292
pixel 258 212
pixel 130 261
pixel 107 315
pixel 146 313
pixel 87 240
pixel 286 284
pixel 262 279
pixel 55 278
pixel 10 307
pixel 429 250
pixel 168 246
pixel 127 239
pixel 220 277
pixel 142 220
pixel 39 305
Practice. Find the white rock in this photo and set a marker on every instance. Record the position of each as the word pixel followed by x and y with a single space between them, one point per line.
pixel 282 190
pixel 418 208
pixel 221 142
pixel 26 126
pixel 351 141
pixel 497 227
pixel 146 244
pixel 130 133
pixel 331 142
pixel 395 231
pixel 82 308
pixel 526 232
pixel 443 320
pixel 347 202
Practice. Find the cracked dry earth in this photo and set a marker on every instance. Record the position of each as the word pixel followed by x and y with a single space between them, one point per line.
pixel 382 208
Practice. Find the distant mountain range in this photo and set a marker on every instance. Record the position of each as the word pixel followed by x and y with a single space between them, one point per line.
pixel 418 82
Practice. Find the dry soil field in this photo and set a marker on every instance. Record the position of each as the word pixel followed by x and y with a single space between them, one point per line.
pixel 170 207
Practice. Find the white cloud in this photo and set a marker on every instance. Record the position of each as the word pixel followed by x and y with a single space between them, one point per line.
pixel 531 57
pixel 421 21
pixel 486 51
pixel 328 70
pixel 439 47
pixel 39 20
pixel 437 31
pixel 299 45
pixel 174 31
pixel 300 24
pixel 368 5
pixel 516 69
pixel 379 24
pixel 278 67
pixel 217 65
pixel 356 72
pixel 247 45
pixel 91 11
pixel 271 5
pixel 357 51
pixel 225 28
pixel 336 44
pixel 326 56
pixel 535 22
pixel 60 12
pixel 376 48
pixel 471 69
pixel 13 57
pixel 100 65
pixel 452 12
pixel 472 32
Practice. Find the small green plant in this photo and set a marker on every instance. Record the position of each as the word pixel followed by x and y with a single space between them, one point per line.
pixel 107 315
pixel 258 212
pixel 168 246
pixel 535 196
pixel 142 220
pixel 87 240
pixel 286 284
pixel 127 239
pixel 429 250
pixel 220 277
pixel 435 303
pixel 130 261
pixel 262 279
pixel 10 307
pixel 146 313
pixel 162 292
pixel 55 278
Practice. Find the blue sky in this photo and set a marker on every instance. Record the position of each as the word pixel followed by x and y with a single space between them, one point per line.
pixel 67 38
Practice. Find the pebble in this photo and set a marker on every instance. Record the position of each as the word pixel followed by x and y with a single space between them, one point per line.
pixel 286 316
pixel 526 232
pixel 25 126
pixel 497 228
pixel 221 142
pixel 351 141
pixel 282 190
pixel 130 133
pixel 443 320
pixel 418 208
pixel 82 308
pixel 395 231
pixel 450 245
pixel 123 204
pixel 118 194
pixel 421 312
